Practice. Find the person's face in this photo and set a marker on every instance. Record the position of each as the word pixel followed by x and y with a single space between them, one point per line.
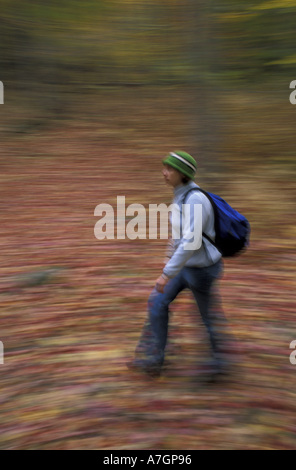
pixel 172 177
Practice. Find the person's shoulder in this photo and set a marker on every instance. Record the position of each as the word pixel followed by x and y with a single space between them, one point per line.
pixel 196 197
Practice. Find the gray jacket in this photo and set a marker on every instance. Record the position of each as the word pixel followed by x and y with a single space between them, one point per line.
pixel 207 254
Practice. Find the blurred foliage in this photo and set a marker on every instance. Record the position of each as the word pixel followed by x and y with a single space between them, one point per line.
pixel 59 55
pixel 132 80
pixel 168 41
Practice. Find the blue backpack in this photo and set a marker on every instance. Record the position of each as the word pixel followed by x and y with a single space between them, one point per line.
pixel 232 228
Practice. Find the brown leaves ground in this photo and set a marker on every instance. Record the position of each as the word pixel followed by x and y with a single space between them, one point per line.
pixel 68 334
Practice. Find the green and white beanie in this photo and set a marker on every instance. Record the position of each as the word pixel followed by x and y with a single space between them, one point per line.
pixel 182 162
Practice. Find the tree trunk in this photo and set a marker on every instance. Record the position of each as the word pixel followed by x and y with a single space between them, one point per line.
pixel 204 108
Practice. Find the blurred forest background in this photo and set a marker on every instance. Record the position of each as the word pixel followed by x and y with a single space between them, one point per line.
pixel 59 54
pixel 96 93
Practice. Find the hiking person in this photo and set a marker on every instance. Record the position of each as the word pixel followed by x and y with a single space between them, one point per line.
pixel 196 270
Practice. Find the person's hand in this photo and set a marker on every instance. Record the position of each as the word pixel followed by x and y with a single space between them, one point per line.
pixel 161 283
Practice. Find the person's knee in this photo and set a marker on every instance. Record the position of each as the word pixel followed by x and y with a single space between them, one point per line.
pixel 153 298
pixel 158 306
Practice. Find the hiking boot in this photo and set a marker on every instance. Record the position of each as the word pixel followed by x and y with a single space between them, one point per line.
pixel 213 371
pixel 146 367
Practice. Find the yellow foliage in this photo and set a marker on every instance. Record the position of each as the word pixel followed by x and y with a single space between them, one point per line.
pixel 235 16
pixel 285 61
pixel 276 4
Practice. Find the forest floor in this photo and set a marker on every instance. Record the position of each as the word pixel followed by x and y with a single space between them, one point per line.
pixel 72 307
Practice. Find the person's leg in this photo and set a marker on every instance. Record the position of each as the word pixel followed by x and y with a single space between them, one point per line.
pixel 203 282
pixel 154 335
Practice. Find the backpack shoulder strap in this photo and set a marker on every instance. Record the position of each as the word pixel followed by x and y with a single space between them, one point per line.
pixel 203 192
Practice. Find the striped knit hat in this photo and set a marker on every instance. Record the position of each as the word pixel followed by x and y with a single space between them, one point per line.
pixel 182 162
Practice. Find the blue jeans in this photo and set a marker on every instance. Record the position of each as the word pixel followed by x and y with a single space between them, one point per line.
pixel 201 282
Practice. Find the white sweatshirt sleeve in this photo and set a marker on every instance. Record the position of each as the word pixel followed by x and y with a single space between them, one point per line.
pixel 191 240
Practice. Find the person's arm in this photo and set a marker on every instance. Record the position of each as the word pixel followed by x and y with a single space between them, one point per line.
pixel 170 250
